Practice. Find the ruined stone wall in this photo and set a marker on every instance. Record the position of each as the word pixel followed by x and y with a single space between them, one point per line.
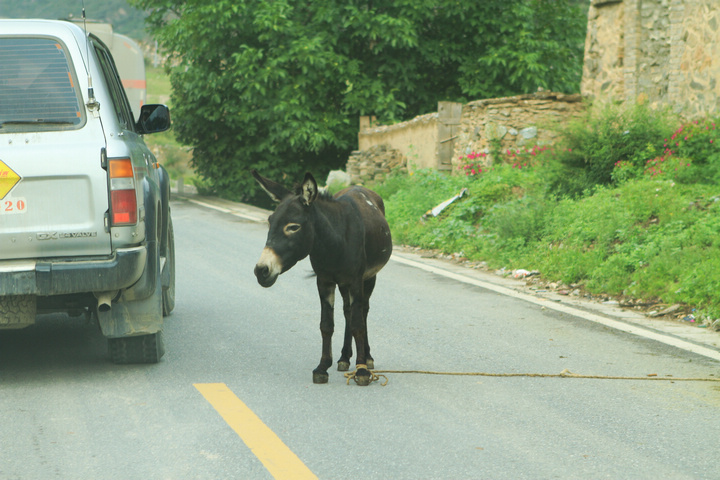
pixel 416 139
pixel 374 164
pixel 663 52
pixel 514 122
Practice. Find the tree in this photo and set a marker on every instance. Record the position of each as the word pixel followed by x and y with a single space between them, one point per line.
pixel 278 85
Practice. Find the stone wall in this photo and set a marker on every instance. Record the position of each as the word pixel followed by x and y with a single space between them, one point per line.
pixel 523 120
pixel 664 52
pixel 374 164
pixel 415 139
pixel 514 122
pixel 603 66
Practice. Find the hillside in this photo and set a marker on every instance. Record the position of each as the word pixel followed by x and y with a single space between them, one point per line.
pixel 124 18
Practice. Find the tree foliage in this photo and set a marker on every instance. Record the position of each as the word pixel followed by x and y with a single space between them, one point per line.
pixel 278 85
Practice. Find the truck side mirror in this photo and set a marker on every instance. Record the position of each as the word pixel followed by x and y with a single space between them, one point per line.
pixel 153 119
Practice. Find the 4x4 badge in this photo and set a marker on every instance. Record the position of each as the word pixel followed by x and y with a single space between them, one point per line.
pixel 8 179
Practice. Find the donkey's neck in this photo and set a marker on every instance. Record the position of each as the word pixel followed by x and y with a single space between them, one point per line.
pixel 330 222
pixel 338 236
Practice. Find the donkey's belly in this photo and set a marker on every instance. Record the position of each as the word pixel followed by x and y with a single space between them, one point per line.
pixel 378 255
pixel 372 271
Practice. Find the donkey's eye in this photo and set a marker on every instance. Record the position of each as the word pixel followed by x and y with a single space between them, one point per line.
pixel 291 228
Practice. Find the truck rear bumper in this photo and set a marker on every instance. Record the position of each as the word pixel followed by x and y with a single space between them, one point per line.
pixel 63 276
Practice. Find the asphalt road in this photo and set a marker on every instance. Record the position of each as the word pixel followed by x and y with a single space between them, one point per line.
pixel 233 397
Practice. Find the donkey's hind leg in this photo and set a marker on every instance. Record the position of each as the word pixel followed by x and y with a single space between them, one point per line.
pixel 347 351
pixel 368 288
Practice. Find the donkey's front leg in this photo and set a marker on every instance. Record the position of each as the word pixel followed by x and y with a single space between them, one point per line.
pixel 347 351
pixel 326 290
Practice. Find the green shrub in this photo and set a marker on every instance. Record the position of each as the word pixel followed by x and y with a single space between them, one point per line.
pixel 595 144
pixel 696 140
pixel 691 155
pixel 624 171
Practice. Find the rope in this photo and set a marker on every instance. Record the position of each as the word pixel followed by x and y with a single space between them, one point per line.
pixel 376 374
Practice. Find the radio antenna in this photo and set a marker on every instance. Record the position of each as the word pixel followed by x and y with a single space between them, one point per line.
pixel 92 104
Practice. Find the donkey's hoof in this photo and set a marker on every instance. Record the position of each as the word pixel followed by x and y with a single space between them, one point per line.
pixel 343 366
pixel 370 364
pixel 320 377
pixel 363 377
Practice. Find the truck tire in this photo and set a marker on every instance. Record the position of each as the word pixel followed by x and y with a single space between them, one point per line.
pixel 17 311
pixel 168 273
pixel 139 349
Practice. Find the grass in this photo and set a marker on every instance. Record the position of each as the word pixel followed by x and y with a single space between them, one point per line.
pixel 647 235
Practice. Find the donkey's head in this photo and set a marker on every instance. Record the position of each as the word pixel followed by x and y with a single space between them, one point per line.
pixel 291 234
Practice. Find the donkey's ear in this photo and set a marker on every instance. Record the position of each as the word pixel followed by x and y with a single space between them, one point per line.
pixel 309 189
pixel 276 191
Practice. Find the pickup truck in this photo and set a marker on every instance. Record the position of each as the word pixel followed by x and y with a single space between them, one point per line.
pixel 85 225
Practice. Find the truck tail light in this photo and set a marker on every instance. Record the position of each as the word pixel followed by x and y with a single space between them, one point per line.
pixel 123 208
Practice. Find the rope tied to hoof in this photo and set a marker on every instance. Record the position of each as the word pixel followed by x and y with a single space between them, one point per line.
pixel 376 374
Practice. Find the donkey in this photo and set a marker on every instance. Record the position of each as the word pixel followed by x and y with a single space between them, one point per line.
pixel 348 240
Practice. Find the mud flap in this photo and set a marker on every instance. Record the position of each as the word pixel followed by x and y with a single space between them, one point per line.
pixel 134 329
pixel 137 317
pixel 130 316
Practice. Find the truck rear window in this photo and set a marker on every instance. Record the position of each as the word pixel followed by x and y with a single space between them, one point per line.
pixel 38 90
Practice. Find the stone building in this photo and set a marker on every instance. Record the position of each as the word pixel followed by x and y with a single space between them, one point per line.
pixel 664 52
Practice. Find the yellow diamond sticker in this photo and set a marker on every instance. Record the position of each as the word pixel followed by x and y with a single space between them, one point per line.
pixel 8 179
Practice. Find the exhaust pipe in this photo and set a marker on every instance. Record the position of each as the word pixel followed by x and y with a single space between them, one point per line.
pixel 104 300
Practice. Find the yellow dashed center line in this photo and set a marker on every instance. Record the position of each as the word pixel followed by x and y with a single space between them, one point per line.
pixel 280 461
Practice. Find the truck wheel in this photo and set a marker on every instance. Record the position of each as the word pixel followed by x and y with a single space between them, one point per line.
pixel 17 311
pixel 139 349
pixel 168 273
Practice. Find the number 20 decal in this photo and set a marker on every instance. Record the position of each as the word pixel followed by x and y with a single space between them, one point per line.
pixel 13 205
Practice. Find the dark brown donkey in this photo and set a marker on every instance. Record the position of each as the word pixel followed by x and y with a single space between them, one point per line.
pixel 348 240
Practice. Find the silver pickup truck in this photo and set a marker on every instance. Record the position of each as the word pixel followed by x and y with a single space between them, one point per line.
pixel 85 224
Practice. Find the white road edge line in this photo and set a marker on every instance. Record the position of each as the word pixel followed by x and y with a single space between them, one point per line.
pixel 210 205
pixel 608 322
pixel 225 210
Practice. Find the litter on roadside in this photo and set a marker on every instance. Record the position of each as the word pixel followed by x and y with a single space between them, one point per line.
pixel 434 212
pixel 522 273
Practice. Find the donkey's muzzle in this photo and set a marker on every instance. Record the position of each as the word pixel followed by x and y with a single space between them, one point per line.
pixel 264 276
pixel 268 267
